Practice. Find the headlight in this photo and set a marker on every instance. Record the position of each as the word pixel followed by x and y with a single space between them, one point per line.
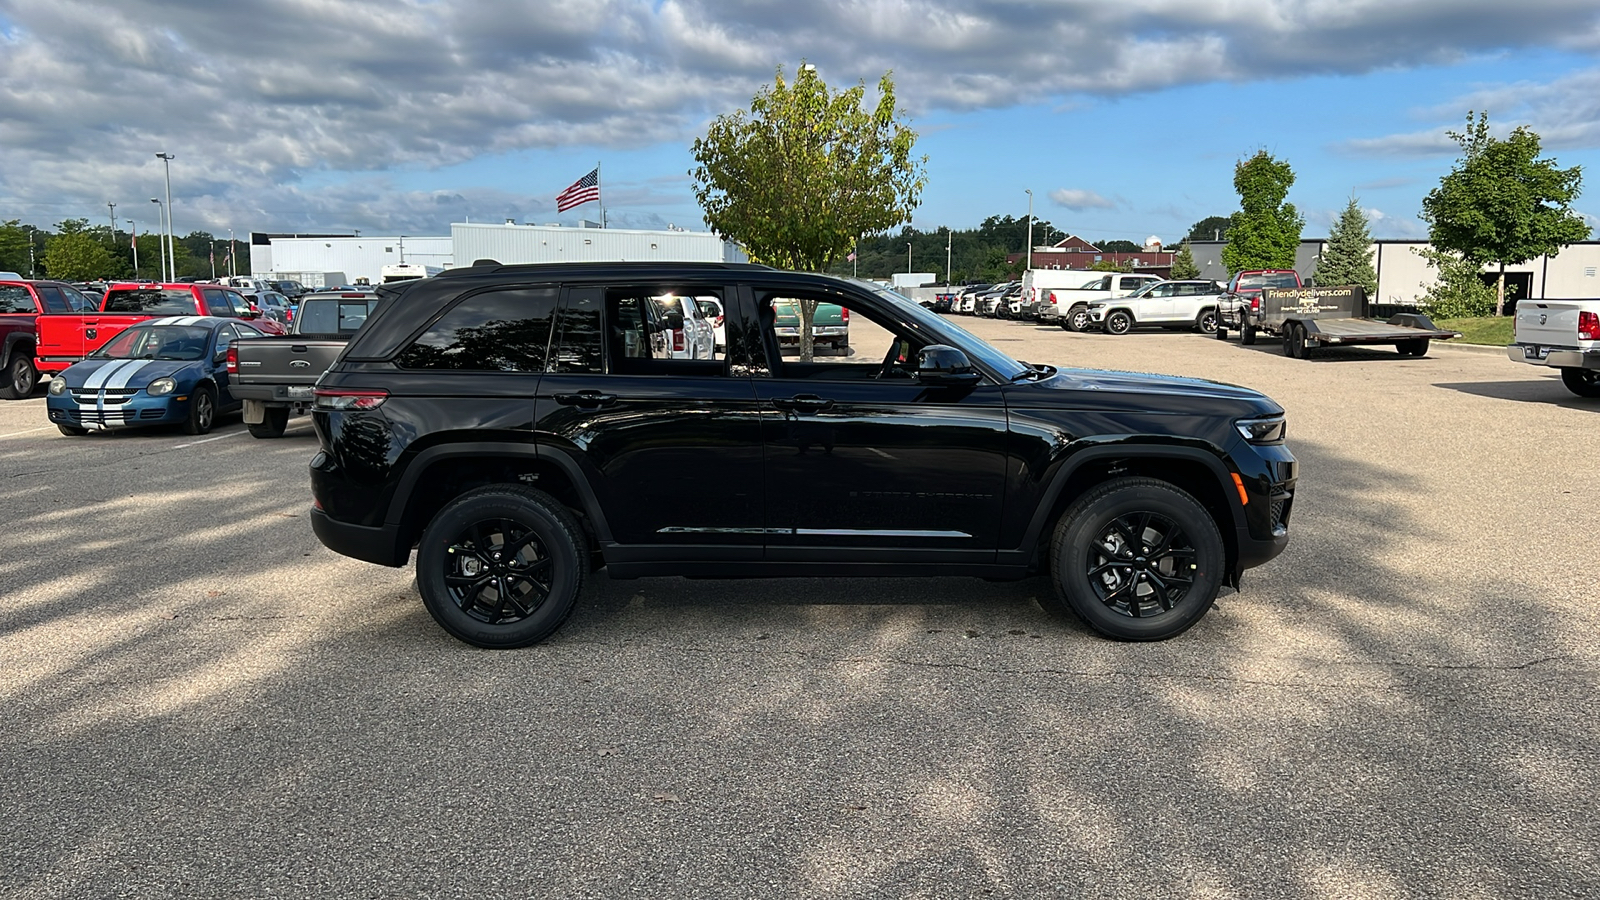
pixel 1262 431
pixel 161 386
pixel 58 385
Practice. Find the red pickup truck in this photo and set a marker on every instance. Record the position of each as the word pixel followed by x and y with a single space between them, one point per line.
pixel 63 340
pixel 22 304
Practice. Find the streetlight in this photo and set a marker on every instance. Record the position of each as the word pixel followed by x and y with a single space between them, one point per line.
pixel 161 221
pixel 1029 263
pixel 172 254
pixel 134 231
pixel 947 239
pixel 32 236
pixel 908 257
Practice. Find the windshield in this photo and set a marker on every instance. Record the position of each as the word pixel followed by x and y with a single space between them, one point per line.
pixel 1003 365
pixel 186 342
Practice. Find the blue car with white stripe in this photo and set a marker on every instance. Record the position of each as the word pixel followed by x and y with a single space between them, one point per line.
pixel 171 370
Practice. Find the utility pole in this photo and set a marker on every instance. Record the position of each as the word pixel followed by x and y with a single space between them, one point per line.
pixel 161 218
pixel 134 231
pixel 172 254
pixel 231 252
pixel 31 232
pixel 947 240
pixel 113 222
pixel 908 257
pixel 1029 263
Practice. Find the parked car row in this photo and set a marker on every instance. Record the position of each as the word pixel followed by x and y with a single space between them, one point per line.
pixel 1115 303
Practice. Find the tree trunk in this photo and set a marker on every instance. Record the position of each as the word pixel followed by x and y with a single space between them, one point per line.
pixel 807 311
pixel 1500 292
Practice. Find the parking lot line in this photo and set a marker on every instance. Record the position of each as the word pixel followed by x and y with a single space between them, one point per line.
pixel 209 439
pixel 29 431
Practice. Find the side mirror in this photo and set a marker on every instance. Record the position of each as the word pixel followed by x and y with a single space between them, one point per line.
pixel 944 366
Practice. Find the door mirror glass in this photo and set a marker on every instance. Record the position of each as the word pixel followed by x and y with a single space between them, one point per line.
pixel 941 364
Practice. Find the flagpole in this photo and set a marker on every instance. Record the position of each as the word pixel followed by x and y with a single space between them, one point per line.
pixel 598 195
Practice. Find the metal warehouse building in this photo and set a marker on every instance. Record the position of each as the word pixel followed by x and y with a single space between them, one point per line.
pixel 357 256
pixel 553 243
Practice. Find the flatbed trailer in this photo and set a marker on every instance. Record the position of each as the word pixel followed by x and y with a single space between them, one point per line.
pixel 1307 319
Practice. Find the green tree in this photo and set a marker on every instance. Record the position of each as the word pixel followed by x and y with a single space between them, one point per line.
pixel 1183 264
pixel 805 172
pixel 1106 265
pixel 1211 228
pixel 1118 246
pixel 1458 290
pixel 13 247
pixel 76 256
pixel 1265 232
pixel 1347 257
pixel 1501 204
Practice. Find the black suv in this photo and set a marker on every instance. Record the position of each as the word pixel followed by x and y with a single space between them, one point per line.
pixel 522 426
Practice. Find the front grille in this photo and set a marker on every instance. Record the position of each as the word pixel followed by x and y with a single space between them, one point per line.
pixel 151 413
pixel 112 396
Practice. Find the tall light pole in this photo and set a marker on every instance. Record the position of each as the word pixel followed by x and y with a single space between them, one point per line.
pixel 161 222
pixel 947 240
pixel 232 266
pixel 113 222
pixel 134 231
pixel 172 254
pixel 32 231
pixel 1029 263
pixel 908 257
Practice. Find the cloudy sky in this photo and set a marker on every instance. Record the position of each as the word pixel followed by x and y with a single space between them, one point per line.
pixel 1124 118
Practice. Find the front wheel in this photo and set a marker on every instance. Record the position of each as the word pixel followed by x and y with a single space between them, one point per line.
pixel 72 430
pixel 202 410
pixel 1583 382
pixel 20 377
pixel 1137 560
pixel 1118 322
pixel 501 567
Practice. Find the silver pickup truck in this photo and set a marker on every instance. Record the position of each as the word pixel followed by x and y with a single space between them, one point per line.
pixel 1562 334
pixel 275 375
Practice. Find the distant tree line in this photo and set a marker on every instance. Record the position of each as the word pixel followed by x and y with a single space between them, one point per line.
pixel 79 251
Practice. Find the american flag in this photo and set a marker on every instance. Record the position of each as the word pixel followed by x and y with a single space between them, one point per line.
pixel 582 191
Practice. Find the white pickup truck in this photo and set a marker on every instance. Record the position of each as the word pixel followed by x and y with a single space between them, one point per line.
pixel 1070 306
pixel 1564 334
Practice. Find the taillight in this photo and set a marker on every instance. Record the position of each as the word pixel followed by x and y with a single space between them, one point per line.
pixel 233 360
pixel 719 322
pixel 1255 302
pixel 677 339
pixel 844 315
pixel 1588 326
pixel 1053 298
pixel 349 399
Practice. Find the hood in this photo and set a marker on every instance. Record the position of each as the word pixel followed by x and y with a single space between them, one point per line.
pixel 96 374
pixel 1101 389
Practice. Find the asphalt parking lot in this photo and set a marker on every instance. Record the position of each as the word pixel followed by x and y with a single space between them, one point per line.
pixel 198 700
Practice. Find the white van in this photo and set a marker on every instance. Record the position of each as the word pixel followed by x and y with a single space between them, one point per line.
pixel 1038 283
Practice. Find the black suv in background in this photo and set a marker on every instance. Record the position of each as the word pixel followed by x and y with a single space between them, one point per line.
pixel 522 426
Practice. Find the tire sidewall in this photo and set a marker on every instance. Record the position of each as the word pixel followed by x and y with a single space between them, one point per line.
pixel 19 364
pixel 201 401
pixel 1083 523
pixel 1118 323
pixel 528 511
pixel 1078 319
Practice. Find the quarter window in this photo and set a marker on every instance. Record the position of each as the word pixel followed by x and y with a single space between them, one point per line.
pixel 496 331
pixel 15 299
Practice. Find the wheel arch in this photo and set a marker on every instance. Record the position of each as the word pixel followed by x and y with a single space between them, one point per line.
pixel 1199 473
pixel 16 342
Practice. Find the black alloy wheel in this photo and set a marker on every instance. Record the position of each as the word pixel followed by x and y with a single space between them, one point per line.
pixel 1119 322
pixel 202 410
pixel 1208 322
pixel 1137 559
pixel 501 567
pixel 1583 382
pixel 20 378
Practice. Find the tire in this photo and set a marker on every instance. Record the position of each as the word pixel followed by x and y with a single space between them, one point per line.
pixel 73 430
pixel 1583 382
pixel 1098 574
pixel 1413 347
pixel 1118 322
pixel 1247 334
pixel 202 410
pixel 1222 333
pixel 1077 319
pixel 1207 323
pixel 459 563
pixel 20 376
pixel 277 419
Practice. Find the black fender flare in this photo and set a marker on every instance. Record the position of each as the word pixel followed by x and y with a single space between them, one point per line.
pixel 457 449
pixel 12 340
pixel 1081 458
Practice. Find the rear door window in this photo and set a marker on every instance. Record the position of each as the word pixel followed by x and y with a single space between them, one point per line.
pixel 14 298
pixel 495 331
pixel 152 301
pixel 55 300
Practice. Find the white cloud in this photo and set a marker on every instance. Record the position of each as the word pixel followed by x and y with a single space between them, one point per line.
pixel 1078 199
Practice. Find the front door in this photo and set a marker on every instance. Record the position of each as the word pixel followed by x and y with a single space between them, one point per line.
pixel 863 463
pixel 671 445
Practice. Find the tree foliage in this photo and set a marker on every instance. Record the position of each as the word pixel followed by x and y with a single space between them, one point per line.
pixel 1501 203
pixel 1183 264
pixel 76 256
pixel 1265 232
pixel 1347 257
pixel 13 247
pixel 1211 228
pixel 806 171
pixel 1118 246
pixel 1458 291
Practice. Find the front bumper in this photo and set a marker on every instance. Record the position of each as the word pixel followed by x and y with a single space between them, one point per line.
pixel 1536 355
pixel 141 409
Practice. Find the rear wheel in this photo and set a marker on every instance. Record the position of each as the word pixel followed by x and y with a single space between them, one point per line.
pixel 501 567
pixel 1137 560
pixel 1583 382
pixel 1413 347
pixel 1247 335
pixel 272 426
pixel 20 376
pixel 1207 322
pixel 1118 322
pixel 1078 319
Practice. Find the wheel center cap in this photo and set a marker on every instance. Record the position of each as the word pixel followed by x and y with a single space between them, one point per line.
pixel 1140 561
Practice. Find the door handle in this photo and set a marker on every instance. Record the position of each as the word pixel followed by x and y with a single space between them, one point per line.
pixel 804 403
pixel 586 399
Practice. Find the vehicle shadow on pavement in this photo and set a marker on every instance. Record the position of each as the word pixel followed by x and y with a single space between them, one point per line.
pixel 1548 391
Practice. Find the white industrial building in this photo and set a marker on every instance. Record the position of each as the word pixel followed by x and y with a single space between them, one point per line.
pixel 1403 276
pixel 357 256
pixel 511 243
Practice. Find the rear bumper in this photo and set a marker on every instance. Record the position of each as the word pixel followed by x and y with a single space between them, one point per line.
pixel 52 364
pixel 1555 358
pixel 274 393
pixel 374 545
